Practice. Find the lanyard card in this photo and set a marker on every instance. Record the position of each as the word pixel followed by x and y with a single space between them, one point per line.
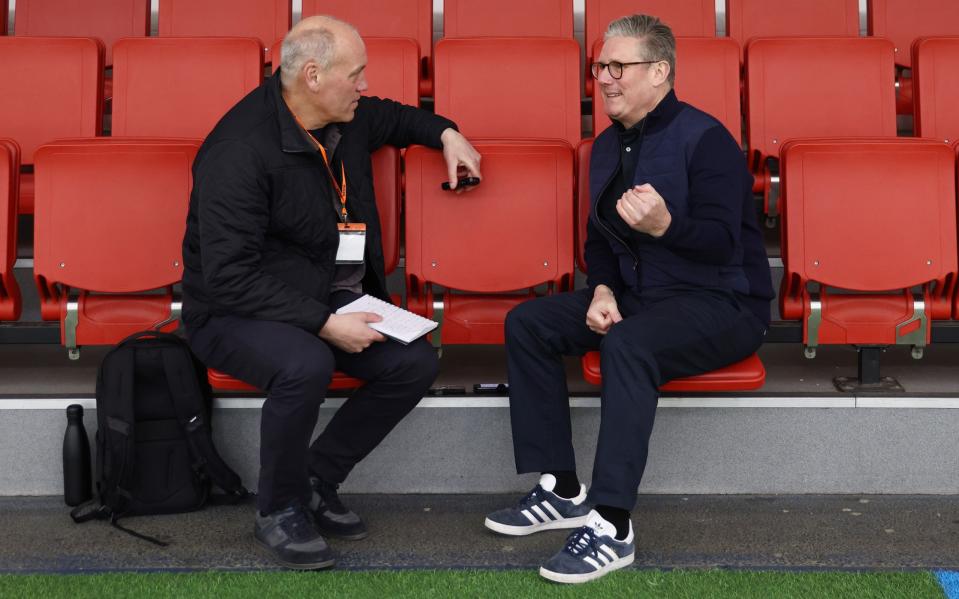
pixel 352 243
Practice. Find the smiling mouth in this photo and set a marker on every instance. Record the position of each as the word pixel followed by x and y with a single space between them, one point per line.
pixel 613 94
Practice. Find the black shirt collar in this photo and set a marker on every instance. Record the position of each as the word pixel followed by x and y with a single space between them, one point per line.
pixel 655 119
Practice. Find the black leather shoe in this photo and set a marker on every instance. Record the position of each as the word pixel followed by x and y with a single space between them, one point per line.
pixel 290 538
pixel 332 517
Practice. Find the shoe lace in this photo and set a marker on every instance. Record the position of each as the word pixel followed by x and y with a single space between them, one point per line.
pixel 328 493
pixel 580 541
pixel 531 497
pixel 298 525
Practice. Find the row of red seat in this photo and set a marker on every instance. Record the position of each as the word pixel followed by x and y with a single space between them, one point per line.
pixel 794 87
pixel 109 20
pixel 869 235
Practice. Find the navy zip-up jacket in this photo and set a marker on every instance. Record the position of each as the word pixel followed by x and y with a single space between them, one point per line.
pixel 713 241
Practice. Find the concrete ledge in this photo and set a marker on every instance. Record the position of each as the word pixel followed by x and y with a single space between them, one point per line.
pixel 695 450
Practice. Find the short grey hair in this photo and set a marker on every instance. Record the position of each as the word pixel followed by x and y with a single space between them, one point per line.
pixel 656 38
pixel 316 43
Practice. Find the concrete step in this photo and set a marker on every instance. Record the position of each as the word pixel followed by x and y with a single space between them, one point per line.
pixel 463 445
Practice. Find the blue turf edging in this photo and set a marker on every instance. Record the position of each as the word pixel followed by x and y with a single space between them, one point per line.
pixel 949 582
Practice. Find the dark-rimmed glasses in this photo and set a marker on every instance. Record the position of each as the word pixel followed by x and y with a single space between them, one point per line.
pixel 615 67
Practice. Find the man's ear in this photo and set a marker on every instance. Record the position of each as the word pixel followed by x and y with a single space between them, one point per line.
pixel 313 75
pixel 661 72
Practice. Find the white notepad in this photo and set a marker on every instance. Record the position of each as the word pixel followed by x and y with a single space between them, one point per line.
pixel 398 324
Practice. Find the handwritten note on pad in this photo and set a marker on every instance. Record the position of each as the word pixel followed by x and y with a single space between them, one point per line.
pixel 398 324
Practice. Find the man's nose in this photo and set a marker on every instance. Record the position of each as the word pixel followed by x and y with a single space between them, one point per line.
pixel 361 83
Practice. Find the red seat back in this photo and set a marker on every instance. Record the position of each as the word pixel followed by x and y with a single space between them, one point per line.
pixel 10 300
pixel 501 18
pixel 110 216
pixel 471 87
pixel 106 20
pixel 512 232
pixel 935 66
pixel 39 107
pixel 707 76
pixel 266 20
pixel 180 87
pixel 782 18
pixel 813 87
pixel 902 21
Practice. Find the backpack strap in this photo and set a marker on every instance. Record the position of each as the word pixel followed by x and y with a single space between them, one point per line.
pixel 181 377
pixel 115 397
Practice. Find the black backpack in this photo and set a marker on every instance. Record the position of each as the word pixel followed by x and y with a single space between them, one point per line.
pixel 155 452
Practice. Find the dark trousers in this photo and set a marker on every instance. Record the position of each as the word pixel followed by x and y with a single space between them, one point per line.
pixel 659 339
pixel 295 368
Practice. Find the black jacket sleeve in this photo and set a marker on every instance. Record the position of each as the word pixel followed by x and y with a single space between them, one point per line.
pixel 709 233
pixel 601 263
pixel 399 125
pixel 234 212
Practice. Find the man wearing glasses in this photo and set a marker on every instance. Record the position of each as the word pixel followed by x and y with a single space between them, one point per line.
pixel 678 284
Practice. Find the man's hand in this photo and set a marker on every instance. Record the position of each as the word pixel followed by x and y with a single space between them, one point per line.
pixel 350 332
pixel 644 210
pixel 603 311
pixel 461 157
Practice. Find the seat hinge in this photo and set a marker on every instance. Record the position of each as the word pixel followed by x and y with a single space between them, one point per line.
pixel 917 338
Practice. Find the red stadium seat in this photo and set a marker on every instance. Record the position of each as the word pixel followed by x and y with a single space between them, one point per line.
pixel 903 21
pixel 935 65
pixel 707 76
pixel 746 375
pixel 225 382
pixel 180 87
pixel 266 20
pixel 40 107
pixel 814 87
pixel 504 18
pixel 688 18
pixel 743 376
pixel 475 86
pixel 513 232
pixel 792 18
pixel 108 231
pixel 386 18
pixel 106 20
pixel 955 307
pixel 853 251
pixel 10 300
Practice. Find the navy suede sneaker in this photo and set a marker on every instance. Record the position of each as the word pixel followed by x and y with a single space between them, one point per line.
pixel 541 509
pixel 590 552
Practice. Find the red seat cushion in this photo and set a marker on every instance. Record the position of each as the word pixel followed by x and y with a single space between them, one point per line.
pixel 746 375
pixel 219 380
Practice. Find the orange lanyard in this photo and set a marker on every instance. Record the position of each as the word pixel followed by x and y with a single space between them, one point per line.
pixel 340 188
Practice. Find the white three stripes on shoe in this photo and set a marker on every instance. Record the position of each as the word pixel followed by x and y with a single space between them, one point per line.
pixel 612 554
pixel 539 512
pixel 542 516
pixel 549 507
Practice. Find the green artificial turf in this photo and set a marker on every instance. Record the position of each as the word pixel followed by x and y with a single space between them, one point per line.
pixel 712 584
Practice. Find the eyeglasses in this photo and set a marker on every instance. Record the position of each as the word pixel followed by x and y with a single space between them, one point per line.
pixel 615 68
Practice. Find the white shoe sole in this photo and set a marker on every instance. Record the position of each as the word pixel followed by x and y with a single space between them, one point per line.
pixel 580 578
pixel 521 531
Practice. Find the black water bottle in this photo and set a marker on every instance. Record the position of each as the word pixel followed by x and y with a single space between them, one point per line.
pixel 76 459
